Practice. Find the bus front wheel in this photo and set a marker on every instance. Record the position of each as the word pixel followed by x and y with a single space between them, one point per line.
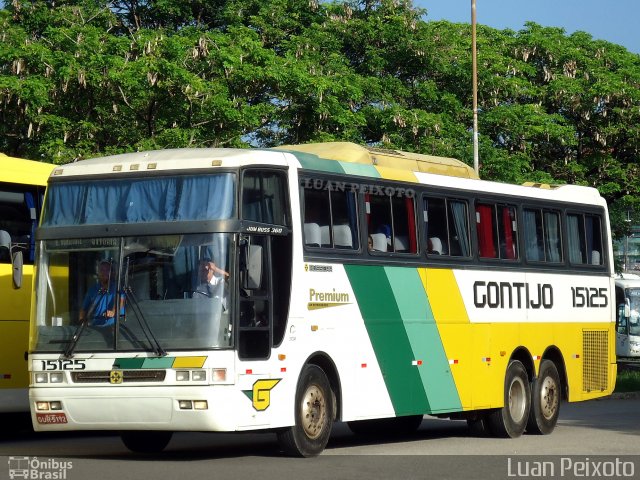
pixel 146 441
pixel 511 419
pixel 545 400
pixel 313 415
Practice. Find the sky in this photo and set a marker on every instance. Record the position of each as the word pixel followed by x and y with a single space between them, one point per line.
pixel 617 21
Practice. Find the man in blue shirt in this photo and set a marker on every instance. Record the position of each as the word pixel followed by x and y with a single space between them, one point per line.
pixel 99 304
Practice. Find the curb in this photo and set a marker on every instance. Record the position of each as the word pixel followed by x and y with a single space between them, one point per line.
pixel 625 396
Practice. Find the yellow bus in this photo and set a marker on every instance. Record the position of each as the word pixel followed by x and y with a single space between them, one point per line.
pixel 22 185
pixel 285 289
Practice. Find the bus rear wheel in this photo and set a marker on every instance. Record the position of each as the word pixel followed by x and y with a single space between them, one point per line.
pixel 146 441
pixel 511 419
pixel 545 400
pixel 313 415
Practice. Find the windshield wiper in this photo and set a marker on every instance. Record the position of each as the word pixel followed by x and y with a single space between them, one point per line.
pixel 132 302
pixel 68 353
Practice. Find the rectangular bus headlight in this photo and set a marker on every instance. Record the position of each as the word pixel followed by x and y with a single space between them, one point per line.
pixel 55 405
pixel 185 404
pixel 199 375
pixel 182 375
pixel 200 405
pixel 41 377
pixel 42 406
pixel 57 377
pixel 219 374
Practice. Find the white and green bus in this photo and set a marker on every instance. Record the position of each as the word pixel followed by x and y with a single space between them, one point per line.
pixel 341 283
pixel 22 185
pixel 628 317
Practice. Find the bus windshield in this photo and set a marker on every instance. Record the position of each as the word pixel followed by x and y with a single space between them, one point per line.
pixel 633 294
pixel 144 293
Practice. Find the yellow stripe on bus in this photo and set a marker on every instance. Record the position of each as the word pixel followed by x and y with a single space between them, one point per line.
pixel 189 362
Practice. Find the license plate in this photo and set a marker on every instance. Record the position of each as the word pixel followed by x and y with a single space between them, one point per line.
pixel 51 418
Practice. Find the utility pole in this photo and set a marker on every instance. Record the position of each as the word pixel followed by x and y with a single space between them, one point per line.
pixel 474 61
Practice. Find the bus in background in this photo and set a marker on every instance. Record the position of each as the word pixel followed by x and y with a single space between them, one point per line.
pixel 22 185
pixel 285 289
pixel 628 317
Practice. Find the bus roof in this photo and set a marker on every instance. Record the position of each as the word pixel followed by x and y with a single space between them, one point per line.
pixel 627 280
pixel 19 170
pixel 384 158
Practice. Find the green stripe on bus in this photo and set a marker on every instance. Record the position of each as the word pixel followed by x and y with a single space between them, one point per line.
pixel 388 337
pixel 425 340
pixel 128 363
pixel 140 363
pixel 313 162
pixel 360 169
pixel 158 362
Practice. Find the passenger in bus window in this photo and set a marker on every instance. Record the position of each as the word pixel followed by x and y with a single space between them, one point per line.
pixel 99 304
pixel 212 282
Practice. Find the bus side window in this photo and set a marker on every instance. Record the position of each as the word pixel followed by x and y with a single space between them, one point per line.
pixel 485 218
pixel 330 216
pixel 393 217
pixel 435 226
pixel 584 239
pixel 264 197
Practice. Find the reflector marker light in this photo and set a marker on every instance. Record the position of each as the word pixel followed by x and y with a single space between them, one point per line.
pixel 364 365
pixel 416 362
pixel 486 359
pixel 453 362
pixel 575 355
pixel 537 357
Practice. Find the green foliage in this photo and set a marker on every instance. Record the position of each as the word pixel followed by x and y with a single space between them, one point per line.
pixel 81 78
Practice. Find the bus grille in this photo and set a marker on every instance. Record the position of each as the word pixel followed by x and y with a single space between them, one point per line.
pixel 595 365
pixel 127 376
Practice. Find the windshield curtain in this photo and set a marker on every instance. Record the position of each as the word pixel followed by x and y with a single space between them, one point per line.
pixel 151 293
pixel 136 200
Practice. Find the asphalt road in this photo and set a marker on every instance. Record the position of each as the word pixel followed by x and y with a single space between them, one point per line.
pixel 592 439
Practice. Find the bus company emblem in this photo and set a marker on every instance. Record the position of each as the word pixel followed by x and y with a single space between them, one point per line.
pixel 116 377
pixel 260 395
pixel 318 300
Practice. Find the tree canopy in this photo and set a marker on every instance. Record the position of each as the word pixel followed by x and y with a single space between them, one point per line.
pixel 82 78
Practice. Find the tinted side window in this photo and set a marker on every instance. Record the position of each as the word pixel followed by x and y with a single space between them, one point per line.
pixel 446 227
pixel 264 197
pixel 330 215
pixel 19 212
pixel 391 223
pixel 542 237
pixel 497 230
pixel 584 239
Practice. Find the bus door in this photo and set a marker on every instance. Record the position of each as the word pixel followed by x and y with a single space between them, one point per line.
pixel 265 267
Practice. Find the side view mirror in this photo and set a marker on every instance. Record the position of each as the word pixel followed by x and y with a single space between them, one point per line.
pixel 5 240
pixel 250 265
pixel 17 262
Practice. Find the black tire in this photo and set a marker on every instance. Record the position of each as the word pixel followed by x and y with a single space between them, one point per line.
pixel 314 412
pixel 545 400
pixel 146 441
pixel 510 421
pixel 386 426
